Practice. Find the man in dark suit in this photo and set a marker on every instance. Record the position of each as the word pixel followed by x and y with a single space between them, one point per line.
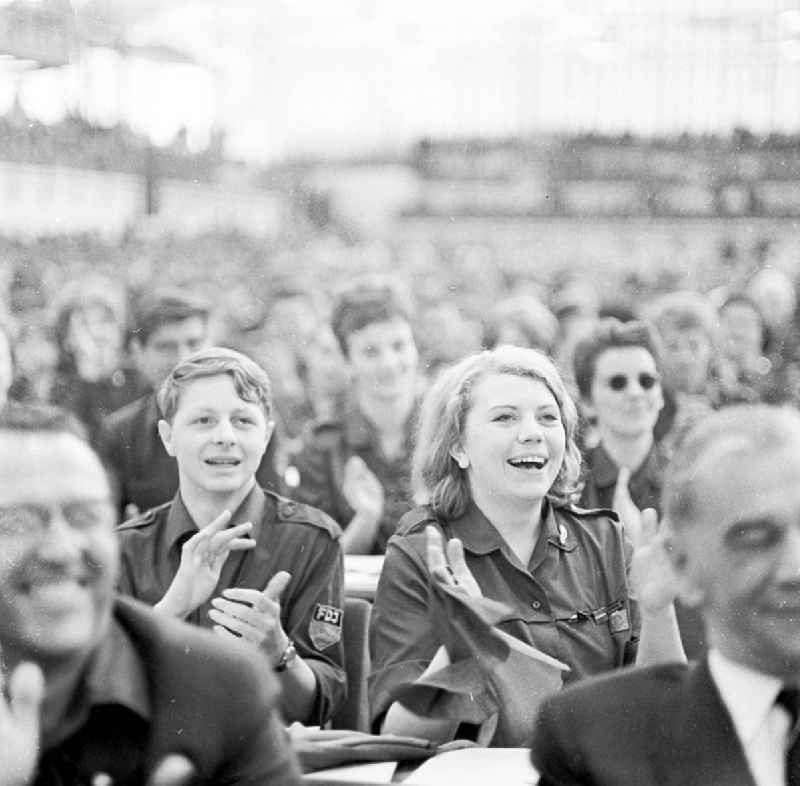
pixel 732 532
pixel 99 690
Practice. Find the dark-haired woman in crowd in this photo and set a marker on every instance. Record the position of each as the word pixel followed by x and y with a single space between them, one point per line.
pixel 92 379
pixel 497 465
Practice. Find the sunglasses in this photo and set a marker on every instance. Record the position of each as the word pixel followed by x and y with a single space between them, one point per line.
pixel 620 382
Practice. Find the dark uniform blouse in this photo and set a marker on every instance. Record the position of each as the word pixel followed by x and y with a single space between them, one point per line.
pixel 319 471
pixel 571 601
pixel 289 536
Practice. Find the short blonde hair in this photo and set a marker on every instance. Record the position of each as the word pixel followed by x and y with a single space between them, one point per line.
pixel 436 477
pixel 250 380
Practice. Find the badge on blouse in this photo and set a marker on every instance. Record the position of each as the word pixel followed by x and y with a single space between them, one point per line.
pixel 618 620
pixel 325 628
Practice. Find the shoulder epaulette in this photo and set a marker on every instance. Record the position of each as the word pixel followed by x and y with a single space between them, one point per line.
pixel 146 519
pixel 576 510
pixel 300 513
pixel 416 520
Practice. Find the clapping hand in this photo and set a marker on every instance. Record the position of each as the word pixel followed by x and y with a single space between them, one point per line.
pixel 447 563
pixel 202 558
pixel 254 615
pixel 362 490
pixel 19 724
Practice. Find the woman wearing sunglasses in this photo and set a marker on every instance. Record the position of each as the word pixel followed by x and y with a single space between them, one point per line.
pixel 616 368
pixel 497 467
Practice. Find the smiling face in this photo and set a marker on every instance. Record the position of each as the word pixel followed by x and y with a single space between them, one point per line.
pixel 217 437
pixel 58 550
pixel 628 409
pixel 514 439
pixel 739 561
pixel 383 360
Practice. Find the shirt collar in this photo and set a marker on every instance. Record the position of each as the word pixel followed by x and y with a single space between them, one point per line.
pixel 180 523
pixel 117 676
pixel 749 695
pixel 480 536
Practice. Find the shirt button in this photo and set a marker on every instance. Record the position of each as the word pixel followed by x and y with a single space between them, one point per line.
pixel 536 604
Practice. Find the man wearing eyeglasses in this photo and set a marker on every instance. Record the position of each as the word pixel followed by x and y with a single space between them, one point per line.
pixel 97 690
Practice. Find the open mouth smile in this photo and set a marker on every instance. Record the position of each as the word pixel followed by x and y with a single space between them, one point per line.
pixel 529 462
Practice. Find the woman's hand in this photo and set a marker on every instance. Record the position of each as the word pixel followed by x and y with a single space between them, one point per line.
pixel 653 580
pixel 448 565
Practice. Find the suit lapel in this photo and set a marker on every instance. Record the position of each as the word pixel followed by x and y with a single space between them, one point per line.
pixel 703 747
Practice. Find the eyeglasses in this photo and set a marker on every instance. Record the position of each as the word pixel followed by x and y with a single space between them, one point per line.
pixel 32 521
pixel 620 382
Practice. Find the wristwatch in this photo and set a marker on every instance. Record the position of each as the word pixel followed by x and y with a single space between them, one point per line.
pixel 287 657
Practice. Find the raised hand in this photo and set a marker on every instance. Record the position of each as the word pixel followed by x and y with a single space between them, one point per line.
pixel 202 558
pixel 19 724
pixel 254 615
pixel 622 503
pixel 447 563
pixel 653 581
pixel 362 490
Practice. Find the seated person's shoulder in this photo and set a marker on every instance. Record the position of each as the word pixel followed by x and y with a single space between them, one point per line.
pixel 144 523
pixel 288 511
pixel 415 521
pixel 590 517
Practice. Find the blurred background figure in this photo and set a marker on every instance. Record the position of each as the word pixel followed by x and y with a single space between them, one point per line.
pixel 746 373
pixel 6 361
pixel 446 334
pixel 521 320
pixel 93 376
pixel 357 467
pixel 686 323
pixel 576 306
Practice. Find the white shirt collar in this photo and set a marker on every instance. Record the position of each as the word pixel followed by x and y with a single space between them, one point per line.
pixel 749 695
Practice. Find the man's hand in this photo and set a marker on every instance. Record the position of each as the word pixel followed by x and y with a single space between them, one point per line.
pixel 254 615
pixel 19 724
pixel 653 581
pixel 202 558
pixel 450 567
pixel 362 490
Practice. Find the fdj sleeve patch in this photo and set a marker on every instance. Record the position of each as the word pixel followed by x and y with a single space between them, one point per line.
pixel 325 628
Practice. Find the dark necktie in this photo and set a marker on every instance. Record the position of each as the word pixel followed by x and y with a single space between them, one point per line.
pixel 789 699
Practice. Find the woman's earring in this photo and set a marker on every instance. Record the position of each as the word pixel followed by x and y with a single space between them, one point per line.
pixel 463 462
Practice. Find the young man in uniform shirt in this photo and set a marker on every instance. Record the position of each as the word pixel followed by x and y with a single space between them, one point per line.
pixel 732 518
pixel 169 326
pixel 100 690
pixel 227 555
pixel 357 468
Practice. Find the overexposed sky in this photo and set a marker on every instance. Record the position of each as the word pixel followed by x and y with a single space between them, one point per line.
pixel 287 77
